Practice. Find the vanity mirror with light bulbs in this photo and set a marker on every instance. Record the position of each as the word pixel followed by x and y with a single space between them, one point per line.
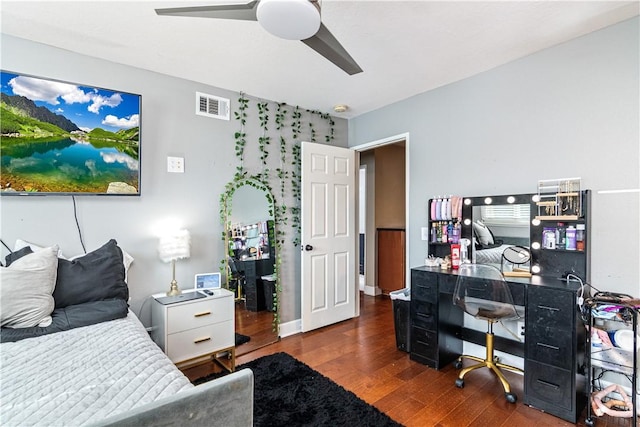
pixel 492 223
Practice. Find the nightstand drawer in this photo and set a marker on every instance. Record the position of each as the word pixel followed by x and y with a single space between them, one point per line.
pixel 200 341
pixel 196 314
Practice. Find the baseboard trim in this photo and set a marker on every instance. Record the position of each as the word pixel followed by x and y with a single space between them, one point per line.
pixel 290 328
pixel 372 290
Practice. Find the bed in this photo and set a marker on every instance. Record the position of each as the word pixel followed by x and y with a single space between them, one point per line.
pixel 93 362
pixel 490 255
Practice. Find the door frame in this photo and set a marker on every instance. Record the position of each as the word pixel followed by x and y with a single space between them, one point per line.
pixel 379 143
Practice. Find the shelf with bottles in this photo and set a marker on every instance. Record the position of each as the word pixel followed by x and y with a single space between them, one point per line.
pixel 445 232
pixel 444 223
pixel 564 236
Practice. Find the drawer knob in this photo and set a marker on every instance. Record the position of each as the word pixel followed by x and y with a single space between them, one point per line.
pixel 204 313
pixel 201 340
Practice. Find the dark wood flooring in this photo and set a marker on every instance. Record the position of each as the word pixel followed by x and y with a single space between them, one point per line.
pixel 361 355
pixel 258 325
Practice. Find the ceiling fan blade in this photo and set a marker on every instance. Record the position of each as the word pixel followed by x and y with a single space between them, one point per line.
pixel 244 12
pixel 326 45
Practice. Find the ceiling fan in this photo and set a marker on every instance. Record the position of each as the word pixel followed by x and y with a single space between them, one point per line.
pixel 288 19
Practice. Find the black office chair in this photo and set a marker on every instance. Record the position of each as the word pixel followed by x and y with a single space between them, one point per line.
pixel 482 292
pixel 236 279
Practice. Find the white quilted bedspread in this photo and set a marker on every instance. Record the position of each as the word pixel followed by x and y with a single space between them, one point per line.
pixel 83 375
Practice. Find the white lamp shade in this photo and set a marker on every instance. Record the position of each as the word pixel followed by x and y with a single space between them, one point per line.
pixel 175 245
pixel 289 19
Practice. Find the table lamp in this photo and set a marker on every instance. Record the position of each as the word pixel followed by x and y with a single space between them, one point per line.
pixel 174 245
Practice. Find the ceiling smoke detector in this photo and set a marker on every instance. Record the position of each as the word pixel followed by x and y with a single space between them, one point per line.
pixel 340 108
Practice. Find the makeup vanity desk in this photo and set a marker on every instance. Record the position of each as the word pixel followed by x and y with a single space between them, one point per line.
pixel 553 348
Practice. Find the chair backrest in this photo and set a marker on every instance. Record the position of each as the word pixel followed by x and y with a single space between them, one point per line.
pixel 482 292
pixel 232 266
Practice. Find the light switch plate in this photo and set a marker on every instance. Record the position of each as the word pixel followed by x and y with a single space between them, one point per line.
pixel 425 233
pixel 175 164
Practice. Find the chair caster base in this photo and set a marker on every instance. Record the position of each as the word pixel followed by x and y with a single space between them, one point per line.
pixel 590 421
pixel 457 364
pixel 511 398
pixel 460 383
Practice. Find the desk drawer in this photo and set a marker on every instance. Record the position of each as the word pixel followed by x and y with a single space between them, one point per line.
pixel 447 283
pixel 424 292
pixel 424 343
pixel 196 314
pixel 550 346
pixel 424 314
pixel 550 308
pixel 547 386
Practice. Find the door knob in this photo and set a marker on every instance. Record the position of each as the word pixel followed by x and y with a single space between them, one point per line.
pixel 308 248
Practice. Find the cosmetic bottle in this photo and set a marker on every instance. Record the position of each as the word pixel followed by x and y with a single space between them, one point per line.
pixel 580 237
pixel 449 207
pixel 570 240
pixel 455 256
pixel 445 237
pixel 432 209
pixel 443 208
pixel 561 236
pixel 455 233
pixel 438 208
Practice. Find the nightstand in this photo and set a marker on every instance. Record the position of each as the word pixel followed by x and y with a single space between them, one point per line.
pixel 196 329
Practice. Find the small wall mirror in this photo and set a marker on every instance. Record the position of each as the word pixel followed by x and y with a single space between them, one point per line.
pixel 248 214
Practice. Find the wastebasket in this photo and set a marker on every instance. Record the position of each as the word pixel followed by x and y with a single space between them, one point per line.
pixel 269 283
pixel 401 301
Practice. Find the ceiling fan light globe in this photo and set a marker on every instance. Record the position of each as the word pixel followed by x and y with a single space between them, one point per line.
pixel 289 19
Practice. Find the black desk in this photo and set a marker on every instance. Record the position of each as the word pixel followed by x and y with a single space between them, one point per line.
pixel 253 269
pixel 553 350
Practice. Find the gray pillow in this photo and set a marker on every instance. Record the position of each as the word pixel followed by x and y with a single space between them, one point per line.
pixel 16 255
pixel 96 276
pixel 27 285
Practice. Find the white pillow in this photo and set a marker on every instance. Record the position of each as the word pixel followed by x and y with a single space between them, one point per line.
pixel 482 233
pixel 26 289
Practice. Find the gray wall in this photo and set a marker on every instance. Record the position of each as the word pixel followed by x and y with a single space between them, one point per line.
pixel 169 127
pixel 568 111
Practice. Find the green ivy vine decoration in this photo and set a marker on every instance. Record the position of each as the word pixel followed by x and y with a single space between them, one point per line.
pixel 264 140
pixel 289 171
pixel 240 136
pixel 282 173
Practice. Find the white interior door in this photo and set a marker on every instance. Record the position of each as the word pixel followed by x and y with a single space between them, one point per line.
pixel 328 236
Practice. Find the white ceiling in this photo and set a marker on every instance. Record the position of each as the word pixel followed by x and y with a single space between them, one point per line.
pixel 404 47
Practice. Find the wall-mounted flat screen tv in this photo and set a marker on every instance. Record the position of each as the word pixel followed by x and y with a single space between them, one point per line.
pixel 65 138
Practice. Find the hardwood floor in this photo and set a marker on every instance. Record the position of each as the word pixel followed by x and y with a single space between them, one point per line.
pixel 258 325
pixel 361 355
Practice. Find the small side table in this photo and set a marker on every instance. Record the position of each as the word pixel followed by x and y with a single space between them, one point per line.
pixel 195 329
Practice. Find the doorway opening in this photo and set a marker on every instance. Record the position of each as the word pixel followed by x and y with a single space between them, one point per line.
pixel 383 214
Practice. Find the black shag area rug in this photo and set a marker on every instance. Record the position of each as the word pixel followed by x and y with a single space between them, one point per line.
pixel 241 339
pixel 289 393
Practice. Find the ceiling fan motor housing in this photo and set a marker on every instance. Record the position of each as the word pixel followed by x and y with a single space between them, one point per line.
pixel 289 19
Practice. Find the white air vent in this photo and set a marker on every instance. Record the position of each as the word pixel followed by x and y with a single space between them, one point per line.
pixel 212 106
